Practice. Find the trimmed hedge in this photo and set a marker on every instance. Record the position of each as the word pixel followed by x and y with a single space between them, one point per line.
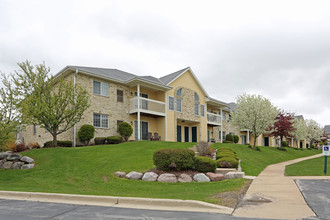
pixel 174 159
pixel 99 140
pixel 59 144
pixel 86 133
pixel 205 164
pixel 113 140
pixel 227 162
pixel 229 137
pixel 225 152
pixel 236 139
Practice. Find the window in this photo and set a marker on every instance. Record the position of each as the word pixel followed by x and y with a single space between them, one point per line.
pixel 179 105
pixel 196 97
pixel 196 109
pixel 223 135
pixel 100 88
pixel 202 110
pixel 120 95
pixel 171 103
pixel 118 123
pixel 179 92
pixel 100 120
pixel 223 116
pixel 34 129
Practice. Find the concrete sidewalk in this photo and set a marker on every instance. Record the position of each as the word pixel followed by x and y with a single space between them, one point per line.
pixel 273 195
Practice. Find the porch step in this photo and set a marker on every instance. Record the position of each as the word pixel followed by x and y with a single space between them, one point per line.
pixel 225 170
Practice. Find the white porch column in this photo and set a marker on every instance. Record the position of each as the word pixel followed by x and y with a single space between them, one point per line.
pixel 248 136
pixel 221 133
pixel 292 142
pixel 165 100
pixel 138 112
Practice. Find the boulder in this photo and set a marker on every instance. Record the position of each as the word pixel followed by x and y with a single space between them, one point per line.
pixel 1 164
pixel 150 176
pixel 4 155
pixel 134 175
pixel 14 157
pixel 234 175
pixel 184 178
pixel 27 159
pixel 215 176
pixel 167 178
pixel 27 166
pixel 120 174
pixel 7 165
pixel 201 177
pixel 17 165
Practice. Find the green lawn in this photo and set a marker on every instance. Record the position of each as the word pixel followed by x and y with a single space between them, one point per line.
pixel 312 167
pixel 90 171
pixel 253 162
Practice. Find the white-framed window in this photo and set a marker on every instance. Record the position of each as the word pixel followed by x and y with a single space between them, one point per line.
pixel 100 88
pixel 100 120
pixel 171 103
pixel 179 92
pixel 196 109
pixel 223 135
pixel 196 97
pixel 203 110
pixel 178 105
pixel 223 116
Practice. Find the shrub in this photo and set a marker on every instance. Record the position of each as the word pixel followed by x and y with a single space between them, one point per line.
pixel 113 140
pixel 125 130
pixel 227 142
pixel 258 149
pixel 18 147
pixel 205 164
pixel 227 162
pixel 99 140
pixel 203 148
pixel 86 133
pixel 285 144
pixel 281 148
pixel 229 137
pixel 226 154
pixel 33 145
pixel 59 144
pixel 236 139
pixel 174 159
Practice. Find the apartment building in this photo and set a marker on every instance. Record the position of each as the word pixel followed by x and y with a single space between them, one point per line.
pixel 176 106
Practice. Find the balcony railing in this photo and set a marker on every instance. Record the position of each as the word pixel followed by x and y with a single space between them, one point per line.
pixel 148 106
pixel 213 119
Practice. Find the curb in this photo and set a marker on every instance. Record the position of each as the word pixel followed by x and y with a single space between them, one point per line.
pixel 122 202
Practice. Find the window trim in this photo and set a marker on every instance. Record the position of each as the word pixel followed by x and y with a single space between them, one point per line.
pixel 102 92
pixel 101 118
pixel 177 104
pixel 170 102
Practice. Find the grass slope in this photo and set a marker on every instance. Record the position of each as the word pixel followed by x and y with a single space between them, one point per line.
pixel 253 162
pixel 90 171
pixel 312 167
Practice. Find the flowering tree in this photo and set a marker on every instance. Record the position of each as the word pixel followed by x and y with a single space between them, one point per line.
pixel 255 113
pixel 314 131
pixel 300 132
pixel 283 126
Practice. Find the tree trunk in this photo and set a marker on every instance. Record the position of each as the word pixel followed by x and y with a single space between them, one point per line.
pixel 254 141
pixel 55 140
pixel 281 141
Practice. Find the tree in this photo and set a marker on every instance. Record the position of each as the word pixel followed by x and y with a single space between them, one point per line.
pixel 283 126
pixel 314 131
pixel 125 130
pixel 53 103
pixel 300 132
pixel 255 113
pixel 9 117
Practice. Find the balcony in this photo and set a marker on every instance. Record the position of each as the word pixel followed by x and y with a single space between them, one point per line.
pixel 147 106
pixel 213 119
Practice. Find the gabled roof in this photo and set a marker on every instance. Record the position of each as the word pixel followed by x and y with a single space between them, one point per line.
pixel 327 129
pixel 171 77
pixel 299 117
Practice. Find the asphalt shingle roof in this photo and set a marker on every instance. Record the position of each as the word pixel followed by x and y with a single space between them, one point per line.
pixel 170 77
pixel 327 129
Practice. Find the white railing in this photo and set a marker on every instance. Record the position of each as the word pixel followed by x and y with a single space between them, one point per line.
pixel 214 119
pixel 147 106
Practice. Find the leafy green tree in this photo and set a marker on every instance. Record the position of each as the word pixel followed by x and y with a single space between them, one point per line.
pixel 255 113
pixel 9 117
pixel 314 131
pixel 300 132
pixel 53 103
pixel 125 130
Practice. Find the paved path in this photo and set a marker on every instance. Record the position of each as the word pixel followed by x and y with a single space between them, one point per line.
pixel 272 195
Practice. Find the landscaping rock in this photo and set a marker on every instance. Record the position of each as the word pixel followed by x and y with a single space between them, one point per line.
pixel 16 165
pixel 184 178
pixel 150 176
pixel 1 164
pixel 7 165
pixel 27 166
pixel 215 176
pixel 3 155
pixel 120 174
pixel 14 157
pixel 167 178
pixel 27 159
pixel 134 175
pixel 201 177
pixel 234 175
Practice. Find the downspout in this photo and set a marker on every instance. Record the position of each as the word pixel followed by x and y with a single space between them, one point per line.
pixel 74 94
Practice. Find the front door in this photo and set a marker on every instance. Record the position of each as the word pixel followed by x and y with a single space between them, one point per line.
pixel 186 134
pixel 301 144
pixel 144 130
pixel 194 134
pixel 243 139
pixel 208 136
pixel 266 141
pixel 178 133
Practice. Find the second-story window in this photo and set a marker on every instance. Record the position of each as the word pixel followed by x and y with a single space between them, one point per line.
pixel 100 88
pixel 196 109
pixel 120 95
pixel 202 110
pixel 178 105
pixel 224 116
pixel 171 103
